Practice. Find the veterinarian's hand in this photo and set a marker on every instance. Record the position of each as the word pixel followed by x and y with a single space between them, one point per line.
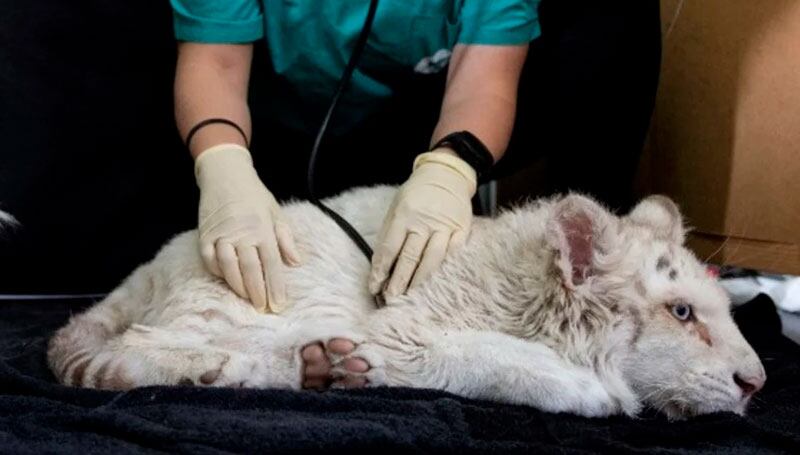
pixel 243 236
pixel 430 216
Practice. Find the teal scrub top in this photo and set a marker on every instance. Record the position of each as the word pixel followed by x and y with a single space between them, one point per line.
pixel 310 43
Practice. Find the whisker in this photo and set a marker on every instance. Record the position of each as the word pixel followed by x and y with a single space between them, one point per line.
pixel 718 250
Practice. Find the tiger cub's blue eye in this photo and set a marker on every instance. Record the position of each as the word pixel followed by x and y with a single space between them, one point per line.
pixel 681 311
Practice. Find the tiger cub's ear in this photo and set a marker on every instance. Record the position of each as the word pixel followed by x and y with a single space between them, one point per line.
pixel 578 230
pixel 662 215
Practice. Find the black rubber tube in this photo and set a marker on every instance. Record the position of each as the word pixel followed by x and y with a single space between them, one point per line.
pixel 312 162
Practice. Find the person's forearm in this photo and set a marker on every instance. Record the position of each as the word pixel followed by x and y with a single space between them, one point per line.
pixel 489 116
pixel 211 81
pixel 481 94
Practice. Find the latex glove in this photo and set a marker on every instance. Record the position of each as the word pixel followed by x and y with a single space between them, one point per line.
pixel 244 238
pixel 429 217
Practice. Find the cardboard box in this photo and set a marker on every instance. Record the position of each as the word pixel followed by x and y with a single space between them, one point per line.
pixel 725 138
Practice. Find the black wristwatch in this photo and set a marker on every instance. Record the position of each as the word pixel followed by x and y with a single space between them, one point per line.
pixel 470 149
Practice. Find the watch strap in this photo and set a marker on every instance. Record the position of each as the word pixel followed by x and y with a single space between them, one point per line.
pixel 470 149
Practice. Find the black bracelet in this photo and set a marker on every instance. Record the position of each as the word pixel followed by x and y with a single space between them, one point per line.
pixel 211 121
pixel 470 149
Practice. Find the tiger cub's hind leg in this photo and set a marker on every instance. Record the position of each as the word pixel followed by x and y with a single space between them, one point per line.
pixel 144 356
pixel 154 356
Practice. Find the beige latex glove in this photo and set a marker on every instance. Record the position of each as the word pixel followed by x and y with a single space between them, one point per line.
pixel 243 236
pixel 429 217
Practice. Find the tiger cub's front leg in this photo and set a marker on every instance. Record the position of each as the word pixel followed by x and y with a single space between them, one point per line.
pixel 491 366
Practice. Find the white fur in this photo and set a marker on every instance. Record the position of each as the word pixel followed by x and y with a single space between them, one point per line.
pixel 6 220
pixel 503 319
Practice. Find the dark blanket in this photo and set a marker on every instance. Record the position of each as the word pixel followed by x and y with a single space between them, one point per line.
pixel 37 415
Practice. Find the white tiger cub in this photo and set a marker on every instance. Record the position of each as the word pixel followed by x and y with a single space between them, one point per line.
pixel 557 304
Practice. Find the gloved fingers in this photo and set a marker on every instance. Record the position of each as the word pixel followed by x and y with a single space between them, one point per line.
pixel 406 263
pixel 432 258
pixel 273 273
pixel 286 243
pixel 457 240
pixel 229 264
pixel 209 254
pixel 253 276
pixel 389 244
